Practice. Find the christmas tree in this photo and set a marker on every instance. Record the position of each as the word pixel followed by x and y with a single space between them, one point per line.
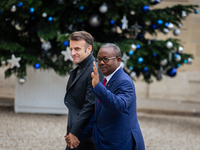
pixel 35 33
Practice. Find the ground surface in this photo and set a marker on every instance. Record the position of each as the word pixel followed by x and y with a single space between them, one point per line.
pixel 46 132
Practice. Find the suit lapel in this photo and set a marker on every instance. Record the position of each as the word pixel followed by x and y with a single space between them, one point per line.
pixel 73 72
pixel 113 78
pixel 108 86
pixel 71 78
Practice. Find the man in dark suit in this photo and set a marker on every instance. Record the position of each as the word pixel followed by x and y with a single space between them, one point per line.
pixel 79 98
pixel 116 125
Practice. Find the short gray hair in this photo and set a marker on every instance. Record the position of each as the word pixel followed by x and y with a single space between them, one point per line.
pixel 115 47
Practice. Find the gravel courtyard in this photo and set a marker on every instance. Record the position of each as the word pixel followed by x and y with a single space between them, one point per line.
pixel 46 132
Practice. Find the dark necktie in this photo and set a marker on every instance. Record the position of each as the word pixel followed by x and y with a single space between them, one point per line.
pixel 104 83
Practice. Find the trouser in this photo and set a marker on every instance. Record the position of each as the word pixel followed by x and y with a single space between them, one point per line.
pixel 86 145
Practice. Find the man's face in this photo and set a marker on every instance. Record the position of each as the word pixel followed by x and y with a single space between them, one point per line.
pixel 78 50
pixel 109 67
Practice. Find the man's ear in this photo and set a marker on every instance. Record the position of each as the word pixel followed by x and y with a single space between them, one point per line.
pixel 119 60
pixel 89 48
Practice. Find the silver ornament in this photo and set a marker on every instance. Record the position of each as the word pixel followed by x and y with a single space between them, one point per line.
pixel 133 46
pixel 44 14
pixel 189 60
pixel 22 80
pixel 178 58
pixel 114 29
pixel 170 26
pixel 17 27
pixel 169 44
pixel 13 9
pixel 133 74
pixel 163 62
pixel 148 23
pixel 70 27
pixel 180 49
pixel 184 14
pixel 165 30
pixel 176 32
pixel 132 12
pixel 103 8
pixel 94 20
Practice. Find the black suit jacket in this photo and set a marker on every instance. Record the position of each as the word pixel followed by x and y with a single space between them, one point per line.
pixel 79 98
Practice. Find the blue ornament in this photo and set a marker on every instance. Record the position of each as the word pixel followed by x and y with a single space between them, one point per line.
pixel 154 54
pixel 81 7
pixel 50 19
pixel 112 22
pixel 140 60
pixel 145 8
pixel 140 35
pixel 175 55
pixel 120 25
pixel 160 22
pixel 172 72
pixel 185 61
pixel 32 18
pixel 155 1
pixel 66 43
pixel 37 66
pixel 196 11
pixel 178 65
pixel 19 4
pixel 138 46
pixel 131 68
pixel 78 21
pixel 154 26
pixel 31 10
pixel 0 11
pixel 130 53
pixel 145 69
pixel 166 24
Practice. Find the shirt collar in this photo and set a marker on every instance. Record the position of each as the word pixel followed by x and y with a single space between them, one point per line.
pixel 110 76
pixel 81 64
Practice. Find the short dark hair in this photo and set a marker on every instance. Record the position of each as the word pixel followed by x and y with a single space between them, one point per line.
pixel 115 47
pixel 82 35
